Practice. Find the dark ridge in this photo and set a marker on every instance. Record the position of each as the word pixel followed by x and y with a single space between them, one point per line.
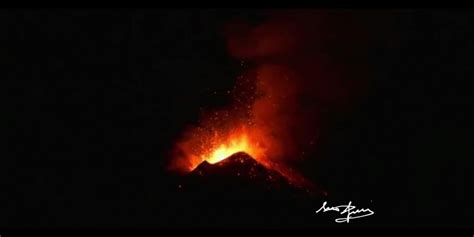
pixel 239 189
pixel 239 177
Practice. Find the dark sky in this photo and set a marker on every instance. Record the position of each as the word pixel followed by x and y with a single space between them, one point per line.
pixel 97 98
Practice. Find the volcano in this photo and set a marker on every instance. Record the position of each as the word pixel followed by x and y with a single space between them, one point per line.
pixel 240 191
pixel 240 176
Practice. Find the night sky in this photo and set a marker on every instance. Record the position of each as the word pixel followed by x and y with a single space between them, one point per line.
pixel 98 98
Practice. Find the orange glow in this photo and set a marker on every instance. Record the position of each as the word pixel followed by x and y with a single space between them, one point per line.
pixel 232 146
pixel 215 145
pixel 261 123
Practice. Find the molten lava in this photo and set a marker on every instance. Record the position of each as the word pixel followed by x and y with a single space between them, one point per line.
pixel 238 144
pixel 216 145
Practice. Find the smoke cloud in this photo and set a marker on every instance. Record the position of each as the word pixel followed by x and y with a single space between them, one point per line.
pixel 304 65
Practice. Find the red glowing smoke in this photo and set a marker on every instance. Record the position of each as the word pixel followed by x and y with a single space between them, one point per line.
pixel 306 63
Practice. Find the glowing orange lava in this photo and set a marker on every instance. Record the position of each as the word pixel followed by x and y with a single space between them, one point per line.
pixel 216 146
pixel 232 146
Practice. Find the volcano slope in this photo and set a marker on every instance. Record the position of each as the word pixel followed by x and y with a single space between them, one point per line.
pixel 239 191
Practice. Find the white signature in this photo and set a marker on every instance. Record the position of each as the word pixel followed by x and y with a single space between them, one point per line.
pixel 347 209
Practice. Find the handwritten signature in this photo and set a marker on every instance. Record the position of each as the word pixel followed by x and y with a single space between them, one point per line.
pixel 347 209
